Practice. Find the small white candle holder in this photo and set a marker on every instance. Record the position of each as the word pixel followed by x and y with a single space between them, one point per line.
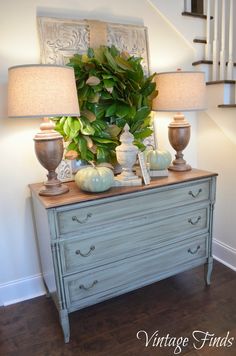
pixel 126 155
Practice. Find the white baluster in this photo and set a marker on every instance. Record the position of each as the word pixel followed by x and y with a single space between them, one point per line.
pixel 222 51
pixel 215 42
pixel 230 61
pixel 185 5
pixel 208 54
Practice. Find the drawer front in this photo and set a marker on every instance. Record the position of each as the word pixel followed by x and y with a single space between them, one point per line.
pixel 99 214
pixel 95 285
pixel 84 253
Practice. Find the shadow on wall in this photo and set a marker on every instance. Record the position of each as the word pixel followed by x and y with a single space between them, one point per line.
pixel 3 102
pixel 225 120
pixel 216 152
pixel 97 13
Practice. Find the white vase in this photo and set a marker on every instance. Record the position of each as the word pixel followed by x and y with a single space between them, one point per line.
pixel 126 155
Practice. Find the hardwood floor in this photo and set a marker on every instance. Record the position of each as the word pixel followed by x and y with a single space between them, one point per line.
pixel 176 306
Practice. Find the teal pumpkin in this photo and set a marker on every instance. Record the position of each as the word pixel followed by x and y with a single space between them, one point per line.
pixel 159 159
pixel 94 179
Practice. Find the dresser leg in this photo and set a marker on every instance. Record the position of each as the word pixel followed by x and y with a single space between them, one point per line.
pixel 65 324
pixel 208 269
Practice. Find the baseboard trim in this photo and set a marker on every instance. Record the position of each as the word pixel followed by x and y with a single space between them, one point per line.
pixel 224 254
pixel 21 289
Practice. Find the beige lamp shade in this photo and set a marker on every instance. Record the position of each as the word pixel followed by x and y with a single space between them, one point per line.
pixel 180 91
pixel 38 91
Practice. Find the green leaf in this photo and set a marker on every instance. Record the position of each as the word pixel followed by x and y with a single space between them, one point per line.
pixel 114 51
pixel 99 126
pixel 108 83
pixel 120 122
pixel 97 88
pixel 122 110
pixel 83 92
pixel 110 76
pixel 105 95
pixel 72 146
pixel 90 156
pixel 80 84
pixel 111 110
pixel 89 115
pixel 140 145
pixel 124 64
pixel 111 60
pixel 102 154
pixel 62 120
pixel 141 113
pixel 74 128
pixel 100 111
pixel 147 121
pixel 93 97
pixel 86 128
pixel 142 134
pixel 60 129
pixel 103 140
pixel 114 130
pixel 82 144
pixel 99 54
pixel 148 88
pixel 66 126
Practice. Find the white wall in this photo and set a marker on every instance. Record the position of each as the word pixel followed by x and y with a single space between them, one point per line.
pixel 216 142
pixel 20 270
pixel 187 27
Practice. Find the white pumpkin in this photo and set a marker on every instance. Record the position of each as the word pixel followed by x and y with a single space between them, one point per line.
pixel 159 159
pixel 94 179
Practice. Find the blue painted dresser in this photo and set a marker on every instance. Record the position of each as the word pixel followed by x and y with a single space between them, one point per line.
pixel 97 246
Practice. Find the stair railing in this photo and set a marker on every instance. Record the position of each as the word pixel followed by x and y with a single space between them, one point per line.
pixel 219 38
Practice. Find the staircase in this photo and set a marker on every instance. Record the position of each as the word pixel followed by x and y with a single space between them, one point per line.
pixel 216 127
pixel 217 51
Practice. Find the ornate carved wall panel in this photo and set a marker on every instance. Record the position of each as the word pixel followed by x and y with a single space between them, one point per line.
pixel 62 38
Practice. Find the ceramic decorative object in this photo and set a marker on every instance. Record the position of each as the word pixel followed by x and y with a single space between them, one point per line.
pixel 158 161
pixel 126 155
pixel 94 179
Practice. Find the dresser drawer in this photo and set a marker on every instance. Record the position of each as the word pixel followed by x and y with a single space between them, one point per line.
pixel 100 213
pixel 95 285
pixel 78 254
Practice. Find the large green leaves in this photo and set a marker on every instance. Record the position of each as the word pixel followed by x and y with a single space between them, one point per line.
pixel 112 91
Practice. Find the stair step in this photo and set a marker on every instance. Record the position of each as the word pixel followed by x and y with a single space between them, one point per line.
pixel 221 82
pixel 194 14
pixel 199 40
pixel 204 61
pixel 227 106
pixel 223 93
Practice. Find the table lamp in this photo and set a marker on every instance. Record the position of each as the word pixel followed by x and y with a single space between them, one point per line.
pixel 180 91
pixel 44 91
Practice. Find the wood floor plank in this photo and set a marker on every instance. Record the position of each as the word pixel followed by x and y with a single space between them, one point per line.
pixel 176 306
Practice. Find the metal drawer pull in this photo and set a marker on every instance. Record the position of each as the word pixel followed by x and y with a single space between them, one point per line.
pixel 78 252
pixel 194 222
pixel 74 218
pixel 87 288
pixel 195 195
pixel 193 252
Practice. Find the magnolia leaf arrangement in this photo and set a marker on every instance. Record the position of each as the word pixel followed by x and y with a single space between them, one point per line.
pixel 112 91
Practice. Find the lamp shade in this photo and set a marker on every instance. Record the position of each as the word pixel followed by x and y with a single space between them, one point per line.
pixel 42 90
pixel 180 91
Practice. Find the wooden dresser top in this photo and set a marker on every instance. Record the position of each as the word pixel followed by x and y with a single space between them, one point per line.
pixel 75 195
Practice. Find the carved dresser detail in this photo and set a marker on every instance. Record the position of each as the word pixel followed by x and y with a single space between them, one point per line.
pixel 96 246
